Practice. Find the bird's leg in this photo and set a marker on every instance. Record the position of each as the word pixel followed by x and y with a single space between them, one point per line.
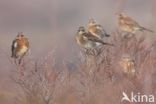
pixel 20 60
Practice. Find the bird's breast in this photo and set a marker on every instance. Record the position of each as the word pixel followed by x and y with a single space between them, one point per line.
pixel 22 50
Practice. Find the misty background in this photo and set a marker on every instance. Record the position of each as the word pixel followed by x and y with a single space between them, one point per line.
pixel 52 24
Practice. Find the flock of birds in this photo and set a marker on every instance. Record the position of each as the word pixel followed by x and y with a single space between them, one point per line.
pixel 86 38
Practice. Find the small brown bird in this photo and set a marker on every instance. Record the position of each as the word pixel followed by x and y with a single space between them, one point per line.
pixel 20 47
pixel 87 41
pixel 127 24
pixel 96 29
pixel 127 64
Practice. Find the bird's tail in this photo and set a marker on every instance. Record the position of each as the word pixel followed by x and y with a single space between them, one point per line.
pixel 107 44
pixel 107 35
pixel 143 28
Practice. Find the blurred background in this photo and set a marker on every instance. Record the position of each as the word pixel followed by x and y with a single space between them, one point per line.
pixel 52 24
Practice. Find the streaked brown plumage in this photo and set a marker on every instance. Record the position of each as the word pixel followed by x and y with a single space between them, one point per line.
pixel 20 47
pixel 88 41
pixel 127 24
pixel 96 29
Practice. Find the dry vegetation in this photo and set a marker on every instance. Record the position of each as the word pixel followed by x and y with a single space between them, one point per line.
pixel 97 79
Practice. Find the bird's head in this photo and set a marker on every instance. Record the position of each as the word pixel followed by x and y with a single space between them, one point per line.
pixel 22 36
pixel 19 35
pixel 121 15
pixel 127 58
pixel 81 29
pixel 92 22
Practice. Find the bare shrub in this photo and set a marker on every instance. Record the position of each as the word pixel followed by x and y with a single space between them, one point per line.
pixel 96 79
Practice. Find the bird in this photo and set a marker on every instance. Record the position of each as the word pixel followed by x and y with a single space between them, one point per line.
pixel 96 29
pixel 129 25
pixel 128 64
pixel 87 41
pixel 20 47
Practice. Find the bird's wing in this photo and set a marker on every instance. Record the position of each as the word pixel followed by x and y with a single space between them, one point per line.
pixel 131 22
pixel 13 46
pixel 95 39
pixel 26 42
pixel 92 38
pixel 98 29
pixel 101 30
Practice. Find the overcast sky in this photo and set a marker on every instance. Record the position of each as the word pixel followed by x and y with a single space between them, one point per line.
pixel 55 22
pixel 39 14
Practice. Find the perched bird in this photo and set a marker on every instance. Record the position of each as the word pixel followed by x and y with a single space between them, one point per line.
pixel 128 64
pixel 87 41
pixel 129 25
pixel 96 29
pixel 20 47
